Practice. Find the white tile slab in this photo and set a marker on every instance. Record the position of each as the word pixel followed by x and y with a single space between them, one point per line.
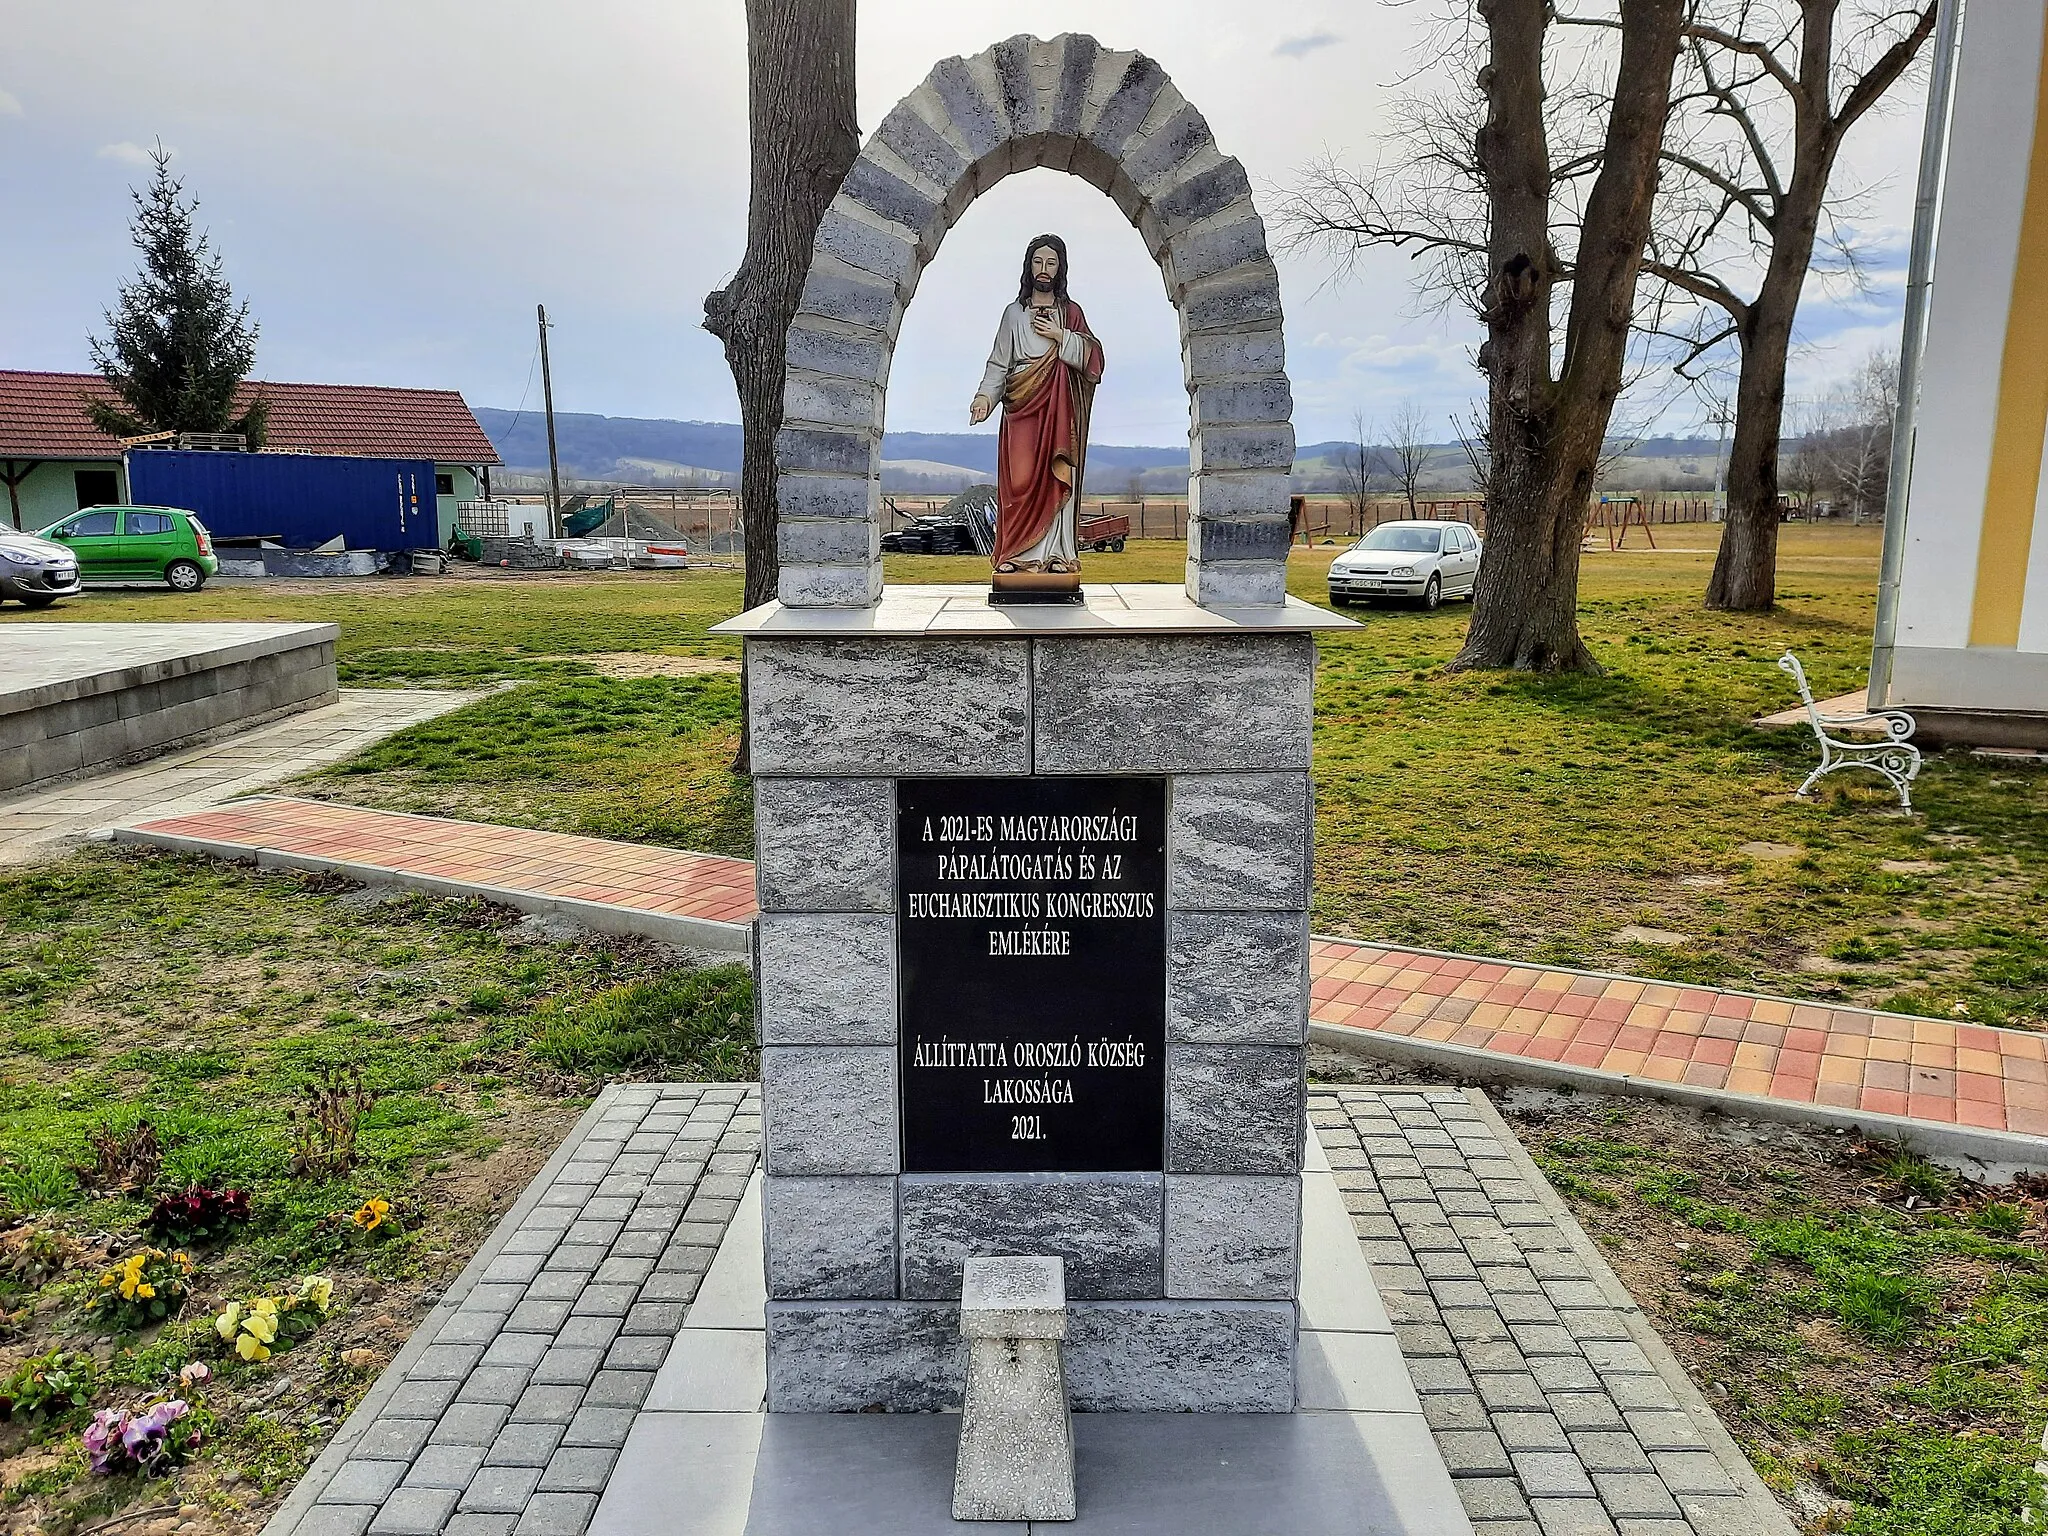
pixel 735 1289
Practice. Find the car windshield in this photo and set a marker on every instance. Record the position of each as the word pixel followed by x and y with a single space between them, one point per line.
pixel 1405 537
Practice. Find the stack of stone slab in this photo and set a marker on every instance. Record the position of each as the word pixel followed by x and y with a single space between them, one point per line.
pixel 1116 121
pixel 1181 1276
pixel 78 697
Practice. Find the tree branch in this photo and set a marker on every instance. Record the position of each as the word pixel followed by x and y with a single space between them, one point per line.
pixel 1879 78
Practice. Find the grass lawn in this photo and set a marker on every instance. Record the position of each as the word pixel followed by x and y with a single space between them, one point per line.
pixel 204 999
pixel 1526 818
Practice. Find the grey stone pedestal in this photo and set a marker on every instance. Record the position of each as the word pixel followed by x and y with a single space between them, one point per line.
pixel 1016 1439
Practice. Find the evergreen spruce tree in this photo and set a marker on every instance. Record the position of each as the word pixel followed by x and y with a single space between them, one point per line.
pixel 178 344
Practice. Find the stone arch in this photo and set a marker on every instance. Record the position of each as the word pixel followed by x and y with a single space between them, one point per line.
pixel 1116 121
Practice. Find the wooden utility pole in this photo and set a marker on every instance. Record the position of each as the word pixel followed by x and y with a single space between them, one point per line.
pixel 547 395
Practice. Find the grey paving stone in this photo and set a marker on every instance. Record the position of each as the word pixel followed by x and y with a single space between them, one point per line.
pixel 620 1389
pixel 1648 1392
pixel 1557 1266
pixel 1506 1279
pixel 1492 1498
pixel 335 1520
pixel 623 1271
pixel 548 1405
pixel 588 1332
pixel 1473 1453
pixel 480 1525
pixel 1665 1431
pixel 1606 1450
pixel 1455 1410
pixel 1618 1359
pixel 414 1512
pixel 501 1490
pixel 1571 1517
pixel 1552 1474
pixel 608 1208
pixel 638 1352
pixel 1506 1528
pixel 557 1514
pixel 568 1367
pixel 1576 1293
pixel 515 1266
pixel 470 1424
pixel 1636 1495
pixel 609 1301
pixel 1423 1339
pixel 524 1445
pixel 519 1350
pixel 1493 1355
pixel 1585 1410
pixel 1545 1339
pixel 494 1384
pixel 1468 1326
pixel 1441 1374
pixel 1693 1472
pixel 1525 1431
pixel 362 1482
pixel 1564 1373
pixel 393 1439
pixel 1450 1264
pixel 656 1317
pixel 580 1469
pixel 445 1466
pixel 539 1316
pixel 579 1261
pixel 1515 1308
pixel 1633 1527
pixel 646 1243
pixel 660 1287
pixel 599 1426
pixel 1460 1293
pixel 421 1399
pixel 469 1326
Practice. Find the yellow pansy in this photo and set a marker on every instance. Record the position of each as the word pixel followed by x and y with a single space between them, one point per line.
pixel 250 1348
pixel 230 1321
pixel 319 1290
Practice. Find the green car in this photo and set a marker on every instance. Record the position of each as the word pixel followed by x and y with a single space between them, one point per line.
pixel 128 543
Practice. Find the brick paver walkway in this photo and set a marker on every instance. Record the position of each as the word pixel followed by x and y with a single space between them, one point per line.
pixel 505 1411
pixel 1736 1042
pixel 1851 1058
pixel 1554 1403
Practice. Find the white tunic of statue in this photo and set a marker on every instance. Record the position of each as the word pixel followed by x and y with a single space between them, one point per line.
pixel 1016 345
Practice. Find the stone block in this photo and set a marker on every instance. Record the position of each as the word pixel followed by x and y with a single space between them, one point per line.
pixel 827 400
pixel 883 192
pixel 820 350
pixel 1011 59
pixel 1106 1227
pixel 1234 1108
pixel 843 1356
pixel 871 247
pixel 889 707
pixel 837 542
pixel 1172 704
pixel 827 978
pixel 830 586
pixel 978 120
pixel 1238 583
pixel 1237 978
pixel 1127 107
pixel 1239 841
pixel 1230 1237
pixel 1268 445
pixel 1181 1357
pixel 830 1239
pixel 1168 146
pixel 830 1109
pixel 1016 1457
pixel 851 297
pixel 853 498
pixel 1237 493
pixel 1076 72
pixel 1199 253
pixel 921 146
pixel 1243 298
pixel 1215 540
pixel 824 845
pixel 1201 196
pixel 1256 398
pixel 849 451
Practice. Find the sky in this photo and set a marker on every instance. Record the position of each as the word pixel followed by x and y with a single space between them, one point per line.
pixel 394 185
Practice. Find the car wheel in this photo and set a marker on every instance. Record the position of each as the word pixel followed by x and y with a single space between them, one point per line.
pixel 1339 602
pixel 184 576
pixel 1433 594
pixel 1117 545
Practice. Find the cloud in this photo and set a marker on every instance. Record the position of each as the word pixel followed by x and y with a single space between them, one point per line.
pixel 1302 47
pixel 10 105
pixel 128 153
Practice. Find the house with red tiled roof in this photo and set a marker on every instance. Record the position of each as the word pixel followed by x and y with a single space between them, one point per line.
pixel 53 460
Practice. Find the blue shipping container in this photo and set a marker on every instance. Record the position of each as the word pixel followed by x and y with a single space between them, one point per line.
pixel 300 499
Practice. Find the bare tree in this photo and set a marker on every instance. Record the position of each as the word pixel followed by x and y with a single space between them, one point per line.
pixel 802 138
pixel 1357 466
pixel 1560 217
pixel 1769 90
pixel 1407 449
pixel 1855 451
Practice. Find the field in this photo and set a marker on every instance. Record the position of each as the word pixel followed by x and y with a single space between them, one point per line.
pixel 1876 1334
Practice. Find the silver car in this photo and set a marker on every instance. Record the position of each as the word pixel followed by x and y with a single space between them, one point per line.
pixel 1426 562
pixel 36 571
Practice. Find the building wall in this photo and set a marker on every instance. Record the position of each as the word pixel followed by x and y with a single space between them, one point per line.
pixel 467 488
pixel 1973 594
pixel 51 491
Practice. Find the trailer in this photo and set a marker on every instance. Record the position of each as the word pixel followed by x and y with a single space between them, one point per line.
pixel 300 500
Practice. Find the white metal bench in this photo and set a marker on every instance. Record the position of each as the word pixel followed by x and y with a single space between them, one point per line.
pixel 1895 758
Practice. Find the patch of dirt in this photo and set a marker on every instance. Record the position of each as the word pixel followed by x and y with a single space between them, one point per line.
pixel 1771 850
pixel 643 664
pixel 1663 938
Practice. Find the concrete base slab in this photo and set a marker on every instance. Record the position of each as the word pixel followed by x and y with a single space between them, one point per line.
pixel 1138 1474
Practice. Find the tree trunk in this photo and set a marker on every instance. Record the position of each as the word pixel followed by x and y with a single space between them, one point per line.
pixel 802 138
pixel 1546 434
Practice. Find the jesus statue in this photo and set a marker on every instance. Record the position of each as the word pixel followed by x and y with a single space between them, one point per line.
pixel 1044 369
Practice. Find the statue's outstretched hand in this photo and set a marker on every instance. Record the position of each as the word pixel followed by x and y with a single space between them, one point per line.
pixel 977 413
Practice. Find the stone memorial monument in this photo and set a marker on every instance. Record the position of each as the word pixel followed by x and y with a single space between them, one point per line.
pixel 1034 878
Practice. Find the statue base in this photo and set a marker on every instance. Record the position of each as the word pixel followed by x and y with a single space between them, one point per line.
pixel 1034 587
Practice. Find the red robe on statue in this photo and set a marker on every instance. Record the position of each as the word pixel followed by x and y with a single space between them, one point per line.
pixel 1042 445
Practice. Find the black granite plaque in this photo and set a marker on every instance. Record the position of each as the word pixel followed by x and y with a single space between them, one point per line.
pixel 1032 949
